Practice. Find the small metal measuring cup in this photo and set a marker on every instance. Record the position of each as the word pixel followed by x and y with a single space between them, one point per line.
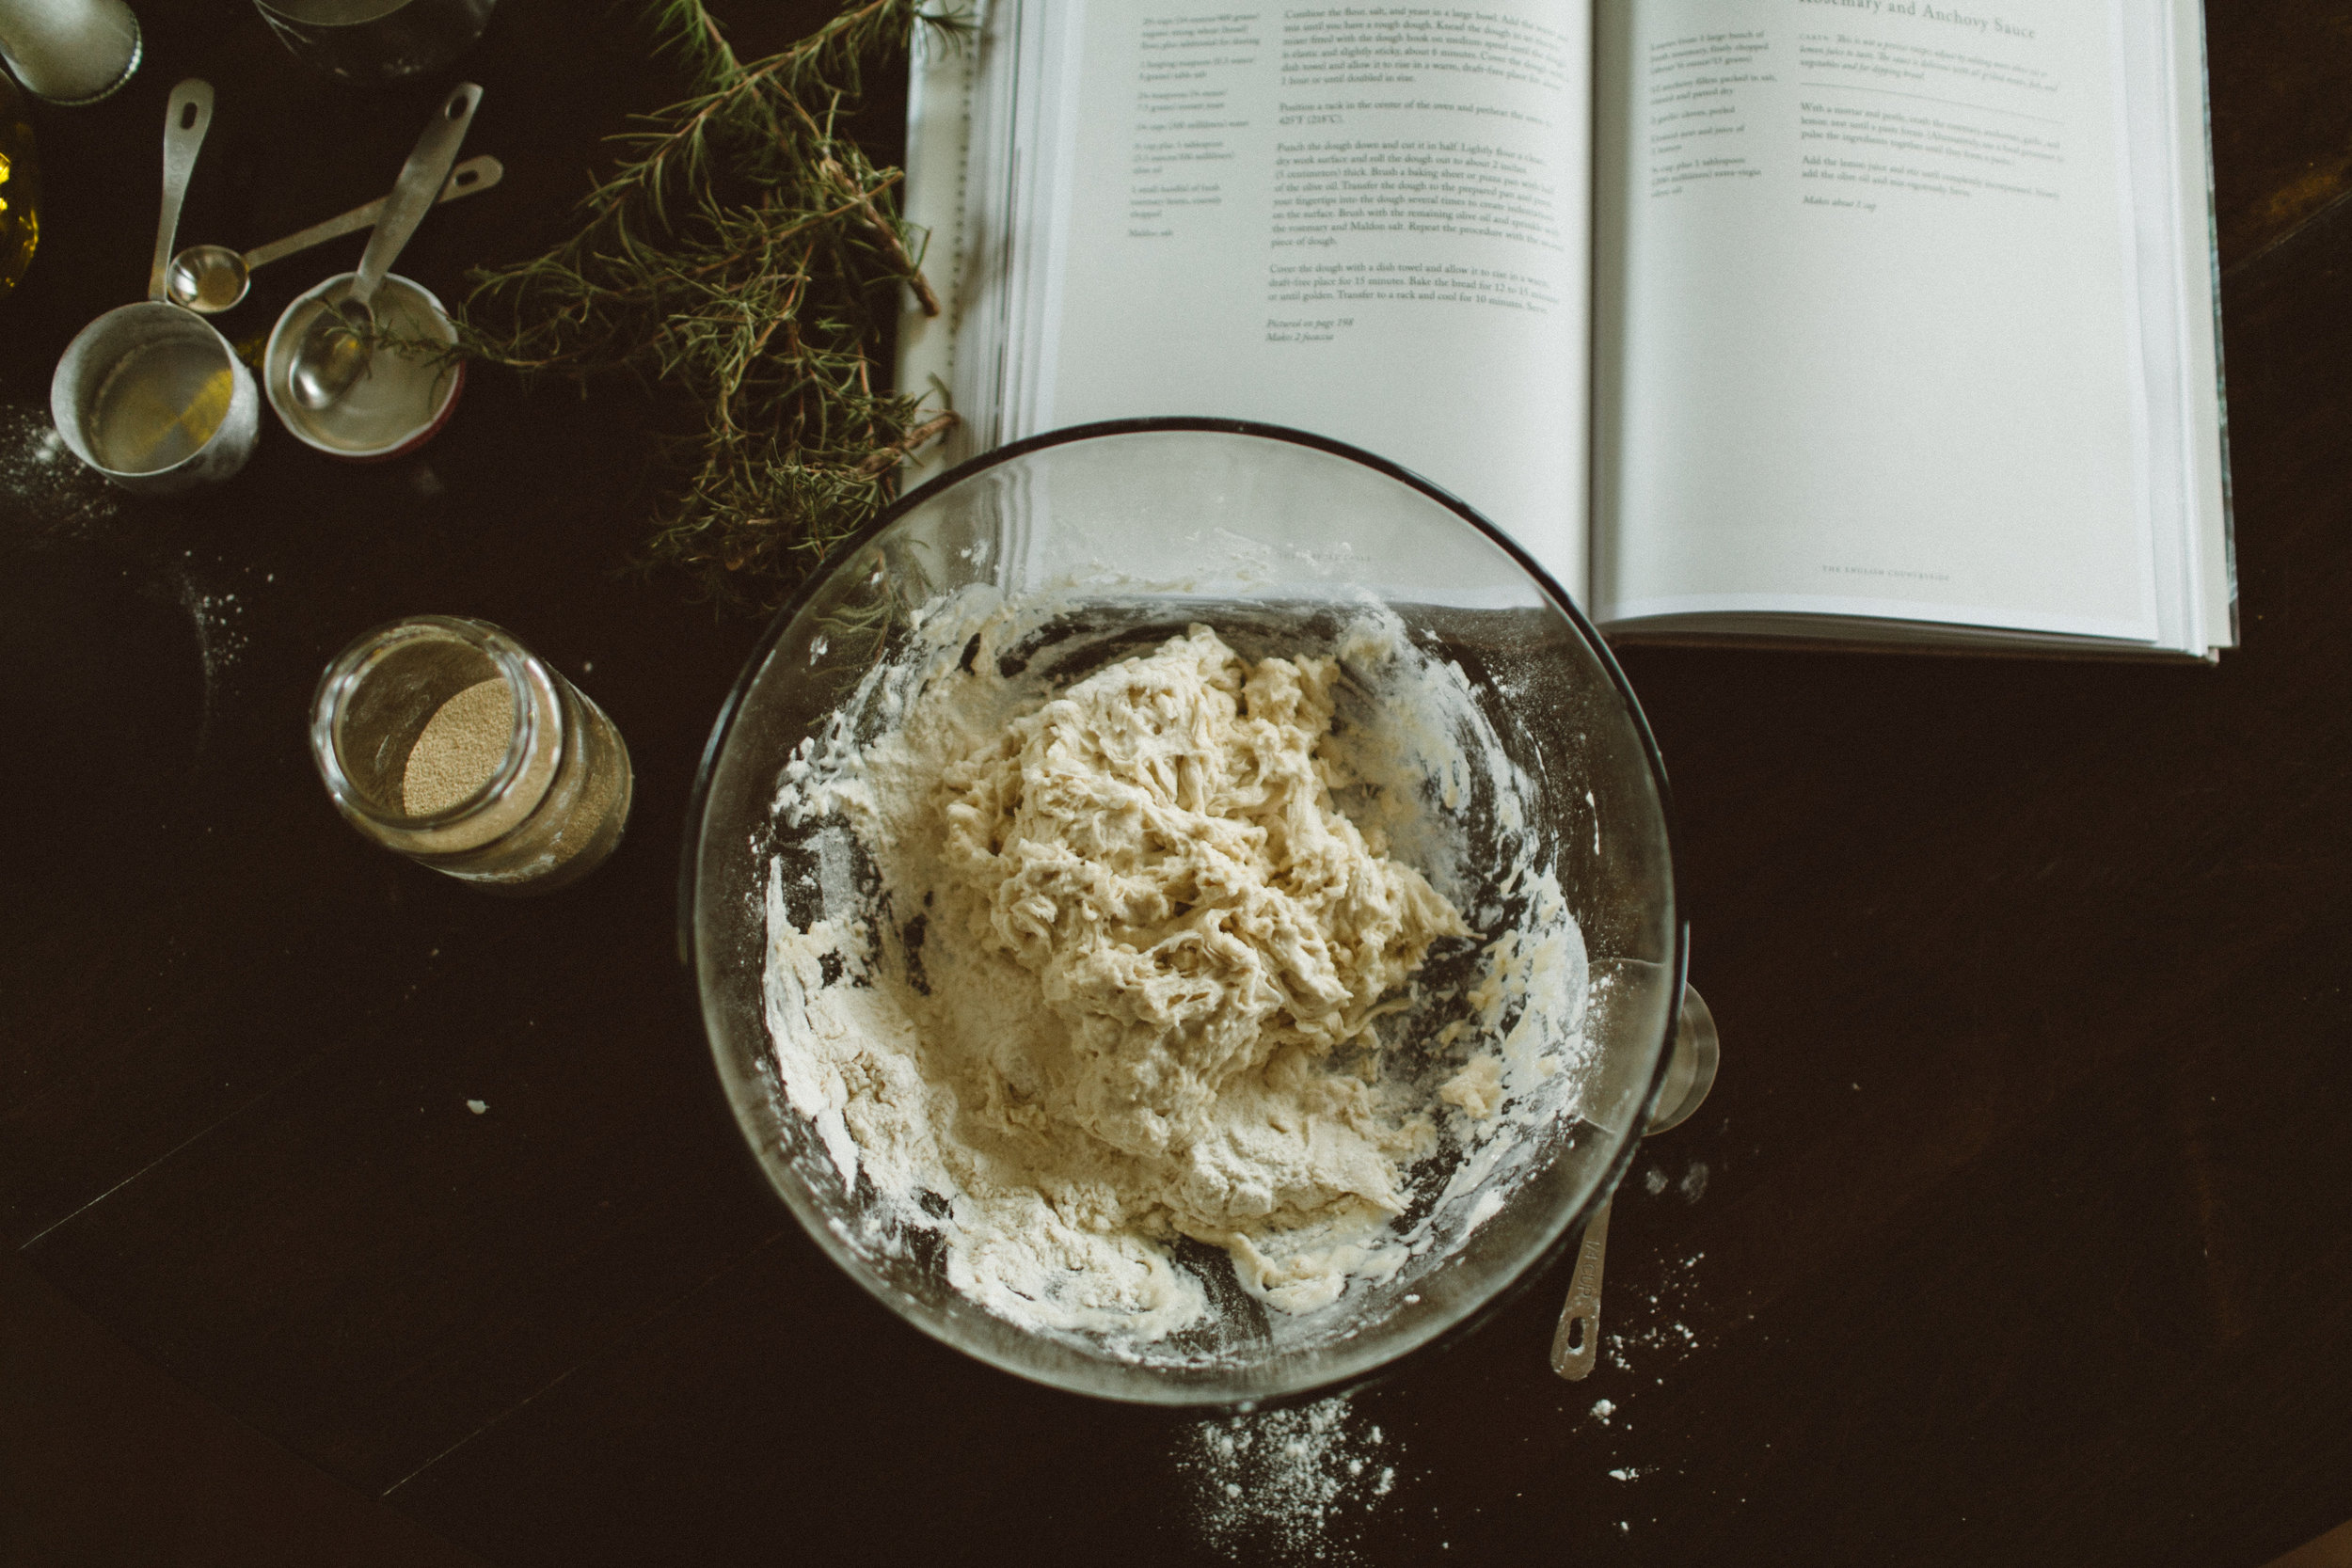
pixel 148 394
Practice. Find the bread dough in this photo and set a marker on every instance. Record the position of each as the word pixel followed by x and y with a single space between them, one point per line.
pixel 1130 988
pixel 1158 847
pixel 1477 1088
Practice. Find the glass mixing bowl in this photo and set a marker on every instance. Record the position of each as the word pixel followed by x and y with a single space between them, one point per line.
pixel 1274 537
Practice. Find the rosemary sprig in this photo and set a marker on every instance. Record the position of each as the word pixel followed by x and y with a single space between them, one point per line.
pixel 746 253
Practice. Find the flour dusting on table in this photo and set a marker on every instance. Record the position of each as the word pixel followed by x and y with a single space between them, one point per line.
pixel 1290 1484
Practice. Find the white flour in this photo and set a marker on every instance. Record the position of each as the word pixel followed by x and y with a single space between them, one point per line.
pixel 1287 1484
pixel 1066 972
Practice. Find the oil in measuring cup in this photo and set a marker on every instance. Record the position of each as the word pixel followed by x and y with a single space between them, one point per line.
pixel 155 400
pixel 159 405
pixel 148 394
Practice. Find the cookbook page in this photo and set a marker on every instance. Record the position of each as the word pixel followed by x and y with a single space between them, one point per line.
pixel 1876 346
pixel 1368 222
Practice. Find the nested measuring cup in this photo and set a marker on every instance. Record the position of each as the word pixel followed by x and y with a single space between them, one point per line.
pixel 148 394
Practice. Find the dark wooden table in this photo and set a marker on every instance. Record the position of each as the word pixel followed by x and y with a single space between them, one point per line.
pixel 2016 1231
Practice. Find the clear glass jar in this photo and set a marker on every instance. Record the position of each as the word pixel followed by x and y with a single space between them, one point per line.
pixel 20 188
pixel 377 42
pixel 422 774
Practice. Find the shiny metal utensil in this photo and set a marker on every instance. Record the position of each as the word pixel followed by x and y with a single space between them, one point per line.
pixel 334 353
pixel 148 394
pixel 1576 1343
pixel 209 278
pixel 410 387
pixel 1689 1073
pixel 188 117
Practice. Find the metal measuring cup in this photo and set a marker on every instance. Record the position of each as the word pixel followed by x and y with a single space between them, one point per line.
pixel 148 394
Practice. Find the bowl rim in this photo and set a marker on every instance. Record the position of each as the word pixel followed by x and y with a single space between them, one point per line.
pixel 723 728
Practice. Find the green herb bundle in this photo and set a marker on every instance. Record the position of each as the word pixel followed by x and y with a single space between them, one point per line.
pixel 747 255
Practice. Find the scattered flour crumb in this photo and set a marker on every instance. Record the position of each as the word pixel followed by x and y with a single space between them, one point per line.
pixel 1287 1485
pixel 477 1106
pixel 1664 1326
pixel 1694 1184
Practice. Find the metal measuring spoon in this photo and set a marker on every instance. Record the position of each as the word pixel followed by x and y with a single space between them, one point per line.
pixel 189 117
pixel 209 278
pixel 1689 1073
pixel 334 353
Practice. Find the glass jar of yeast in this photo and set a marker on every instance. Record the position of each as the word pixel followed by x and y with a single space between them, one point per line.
pixel 449 743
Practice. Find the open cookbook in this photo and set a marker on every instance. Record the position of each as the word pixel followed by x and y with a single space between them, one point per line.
pixel 1874 322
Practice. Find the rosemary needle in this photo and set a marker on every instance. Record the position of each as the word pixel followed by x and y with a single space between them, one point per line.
pixel 745 253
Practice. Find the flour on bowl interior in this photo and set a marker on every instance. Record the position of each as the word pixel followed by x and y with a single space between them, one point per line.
pixel 1070 968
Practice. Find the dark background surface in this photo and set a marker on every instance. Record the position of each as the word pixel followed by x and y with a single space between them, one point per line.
pixel 2016 1231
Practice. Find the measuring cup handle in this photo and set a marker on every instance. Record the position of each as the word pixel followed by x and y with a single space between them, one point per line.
pixel 190 116
pixel 470 177
pixel 417 189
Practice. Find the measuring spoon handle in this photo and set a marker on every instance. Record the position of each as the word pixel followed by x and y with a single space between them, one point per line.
pixel 1576 1343
pixel 474 175
pixel 413 192
pixel 189 117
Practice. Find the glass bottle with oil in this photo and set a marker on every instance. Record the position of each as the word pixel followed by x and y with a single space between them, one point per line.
pixel 20 188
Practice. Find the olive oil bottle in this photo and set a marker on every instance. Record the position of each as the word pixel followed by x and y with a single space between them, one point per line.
pixel 19 187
